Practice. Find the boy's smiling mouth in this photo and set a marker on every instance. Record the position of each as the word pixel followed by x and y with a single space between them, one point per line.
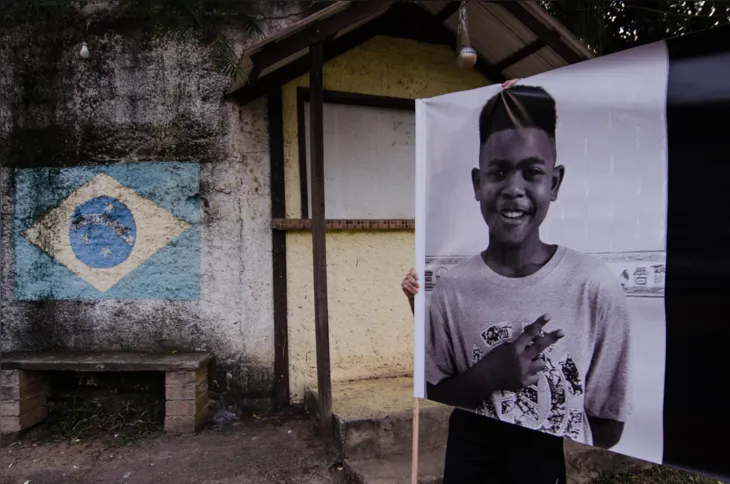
pixel 513 214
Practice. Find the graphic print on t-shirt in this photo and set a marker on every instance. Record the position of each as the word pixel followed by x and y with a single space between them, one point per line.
pixel 553 405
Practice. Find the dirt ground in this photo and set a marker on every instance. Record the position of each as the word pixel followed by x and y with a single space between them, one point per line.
pixel 281 448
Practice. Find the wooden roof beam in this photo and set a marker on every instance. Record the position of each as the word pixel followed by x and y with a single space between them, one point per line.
pixel 543 32
pixel 521 54
pixel 299 67
pixel 442 15
pixel 319 31
pixel 446 37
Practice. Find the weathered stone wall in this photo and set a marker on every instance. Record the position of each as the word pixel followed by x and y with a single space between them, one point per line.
pixel 128 103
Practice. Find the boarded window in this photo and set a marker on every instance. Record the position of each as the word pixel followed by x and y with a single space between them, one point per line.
pixel 369 162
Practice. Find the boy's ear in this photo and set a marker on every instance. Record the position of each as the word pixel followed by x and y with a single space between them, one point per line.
pixel 558 175
pixel 475 182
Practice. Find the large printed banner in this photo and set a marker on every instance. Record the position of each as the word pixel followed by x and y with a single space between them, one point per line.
pixel 572 243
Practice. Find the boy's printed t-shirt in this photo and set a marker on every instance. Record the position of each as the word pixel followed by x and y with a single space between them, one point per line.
pixel 474 309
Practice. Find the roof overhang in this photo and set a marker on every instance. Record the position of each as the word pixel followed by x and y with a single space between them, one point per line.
pixel 513 39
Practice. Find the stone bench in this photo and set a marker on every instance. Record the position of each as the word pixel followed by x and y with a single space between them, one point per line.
pixel 23 395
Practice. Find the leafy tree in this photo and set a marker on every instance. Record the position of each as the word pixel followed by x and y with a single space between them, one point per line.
pixel 608 26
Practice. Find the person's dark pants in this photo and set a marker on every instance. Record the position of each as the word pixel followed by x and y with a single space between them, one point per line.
pixel 481 450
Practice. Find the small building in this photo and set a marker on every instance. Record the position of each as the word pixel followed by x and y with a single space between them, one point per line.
pixel 376 58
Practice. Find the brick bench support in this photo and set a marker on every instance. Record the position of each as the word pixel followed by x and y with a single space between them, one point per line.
pixel 23 400
pixel 23 397
pixel 186 395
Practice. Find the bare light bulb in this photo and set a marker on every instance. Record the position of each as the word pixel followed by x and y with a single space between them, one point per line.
pixel 467 57
pixel 84 51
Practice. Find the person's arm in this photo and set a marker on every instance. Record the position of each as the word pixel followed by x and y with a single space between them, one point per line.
pixel 410 287
pixel 510 366
pixel 607 395
pixel 606 432
pixel 465 390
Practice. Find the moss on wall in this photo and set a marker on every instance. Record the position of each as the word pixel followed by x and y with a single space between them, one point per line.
pixel 131 102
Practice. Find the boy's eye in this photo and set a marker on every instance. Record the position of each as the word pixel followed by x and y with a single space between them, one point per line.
pixel 497 174
pixel 533 172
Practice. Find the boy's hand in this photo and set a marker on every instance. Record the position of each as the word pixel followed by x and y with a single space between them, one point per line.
pixel 510 366
pixel 410 284
pixel 513 366
pixel 510 83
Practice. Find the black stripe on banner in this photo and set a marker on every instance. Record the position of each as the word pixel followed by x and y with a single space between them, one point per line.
pixel 697 380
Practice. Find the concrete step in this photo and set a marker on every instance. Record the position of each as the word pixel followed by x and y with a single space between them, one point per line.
pixel 373 425
pixel 396 469
pixel 375 418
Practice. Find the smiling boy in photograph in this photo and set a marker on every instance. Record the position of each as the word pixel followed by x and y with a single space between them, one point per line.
pixel 533 335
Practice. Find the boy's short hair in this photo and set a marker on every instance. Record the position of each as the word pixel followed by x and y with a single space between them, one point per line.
pixel 518 107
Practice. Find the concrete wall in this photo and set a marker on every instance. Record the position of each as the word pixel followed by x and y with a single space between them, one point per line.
pixel 63 121
pixel 371 329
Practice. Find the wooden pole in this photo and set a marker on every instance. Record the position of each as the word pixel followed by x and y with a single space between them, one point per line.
pixel 316 144
pixel 278 248
pixel 414 453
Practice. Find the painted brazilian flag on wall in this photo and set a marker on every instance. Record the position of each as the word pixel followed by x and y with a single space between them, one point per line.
pixel 124 231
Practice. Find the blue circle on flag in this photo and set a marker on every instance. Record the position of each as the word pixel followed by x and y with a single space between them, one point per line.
pixel 103 232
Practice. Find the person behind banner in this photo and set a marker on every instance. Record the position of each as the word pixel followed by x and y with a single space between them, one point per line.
pixel 481 450
pixel 487 349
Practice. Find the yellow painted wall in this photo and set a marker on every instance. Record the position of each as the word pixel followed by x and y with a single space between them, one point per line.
pixel 371 327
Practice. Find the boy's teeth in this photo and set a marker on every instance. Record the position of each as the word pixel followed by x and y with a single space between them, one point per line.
pixel 512 214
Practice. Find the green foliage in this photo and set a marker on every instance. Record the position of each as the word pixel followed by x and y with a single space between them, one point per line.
pixel 608 26
pixel 655 475
pixel 196 19
pixel 200 20
pixel 119 419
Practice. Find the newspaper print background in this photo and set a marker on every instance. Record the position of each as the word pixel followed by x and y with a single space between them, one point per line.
pixel 642 274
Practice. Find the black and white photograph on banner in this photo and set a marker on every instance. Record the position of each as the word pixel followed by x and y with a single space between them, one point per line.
pixel 542 220
pixel 572 271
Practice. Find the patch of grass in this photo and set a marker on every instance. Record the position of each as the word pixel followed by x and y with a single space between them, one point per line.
pixel 119 418
pixel 655 475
